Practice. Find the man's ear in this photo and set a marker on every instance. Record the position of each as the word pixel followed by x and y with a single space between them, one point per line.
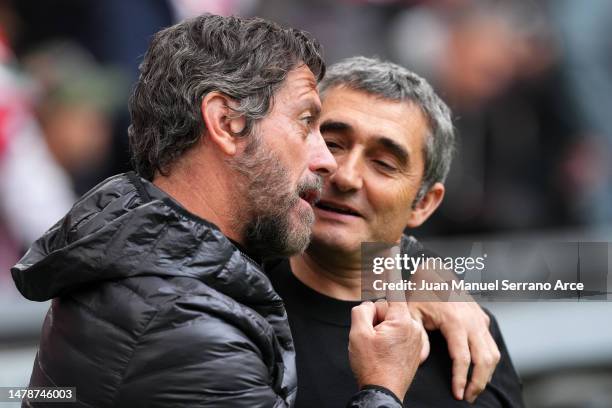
pixel 426 206
pixel 222 122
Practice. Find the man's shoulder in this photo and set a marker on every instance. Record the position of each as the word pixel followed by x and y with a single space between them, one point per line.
pixel 149 304
pixel 188 312
pixel 193 303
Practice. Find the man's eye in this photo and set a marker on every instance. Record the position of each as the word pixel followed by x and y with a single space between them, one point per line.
pixel 332 145
pixel 384 165
pixel 309 120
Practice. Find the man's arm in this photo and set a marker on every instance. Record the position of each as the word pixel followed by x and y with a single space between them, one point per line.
pixel 464 325
pixel 204 362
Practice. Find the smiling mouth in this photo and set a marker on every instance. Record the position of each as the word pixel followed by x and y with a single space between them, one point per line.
pixel 336 208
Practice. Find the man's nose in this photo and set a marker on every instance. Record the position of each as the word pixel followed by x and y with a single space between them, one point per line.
pixel 348 175
pixel 322 161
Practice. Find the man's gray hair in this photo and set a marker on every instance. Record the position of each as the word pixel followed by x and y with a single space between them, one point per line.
pixel 393 82
pixel 245 59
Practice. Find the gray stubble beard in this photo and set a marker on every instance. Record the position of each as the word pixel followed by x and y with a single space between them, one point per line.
pixel 268 204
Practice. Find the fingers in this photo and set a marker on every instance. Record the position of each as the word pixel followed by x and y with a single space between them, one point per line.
pixel 496 354
pixel 382 306
pixel 391 311
pixel 394 275
pixel 418 320
pixel 416 313
pixel 459 352
pixel 483 368
pixel 465 327
pixel 363 317
pixel 479 350
pixel 485 356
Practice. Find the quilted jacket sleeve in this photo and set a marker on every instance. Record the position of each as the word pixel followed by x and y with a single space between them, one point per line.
pixel 204 362
pixel 372 396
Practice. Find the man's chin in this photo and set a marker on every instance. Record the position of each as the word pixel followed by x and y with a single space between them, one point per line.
pixel 279 235
pixel 300 222
pixel 335 238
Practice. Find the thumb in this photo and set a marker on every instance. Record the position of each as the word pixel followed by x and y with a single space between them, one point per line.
pixel 397 309
pixel 426 346
pixel 424 337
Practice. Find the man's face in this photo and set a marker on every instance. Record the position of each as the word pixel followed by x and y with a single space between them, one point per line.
pixel 283 166
pixel 378 146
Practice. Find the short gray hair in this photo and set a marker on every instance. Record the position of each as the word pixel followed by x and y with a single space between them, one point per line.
pixel 393 82
pixel 246 59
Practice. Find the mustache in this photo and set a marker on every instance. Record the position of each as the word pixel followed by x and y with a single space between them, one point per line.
pixel 311 183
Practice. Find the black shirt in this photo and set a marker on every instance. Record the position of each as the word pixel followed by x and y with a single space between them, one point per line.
pixel 320 327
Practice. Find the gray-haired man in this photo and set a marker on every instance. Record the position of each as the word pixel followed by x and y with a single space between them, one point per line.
pixel 392 139
pixel 158 297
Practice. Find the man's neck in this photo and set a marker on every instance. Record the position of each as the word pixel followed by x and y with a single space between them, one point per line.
pixel 204 194
pixel 329 273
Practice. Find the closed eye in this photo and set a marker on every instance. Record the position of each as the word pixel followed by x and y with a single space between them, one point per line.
pixel 332 146
pixel 384 165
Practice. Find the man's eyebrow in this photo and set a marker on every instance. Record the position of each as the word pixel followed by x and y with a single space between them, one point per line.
pixel 394 148
pixel 316 109
pixel 313 107
pixel 390 145
pixel 332 125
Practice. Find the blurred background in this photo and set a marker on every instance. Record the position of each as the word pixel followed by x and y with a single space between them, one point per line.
pixel 529 83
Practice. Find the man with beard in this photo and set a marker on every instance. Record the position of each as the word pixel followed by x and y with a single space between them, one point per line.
pixel 158 296
pixel 392 139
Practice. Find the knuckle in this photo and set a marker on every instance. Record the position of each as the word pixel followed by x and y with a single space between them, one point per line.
pixel 355 335
pixel 459 381
pixel 491 359
pixel 406 323
pixel 487 319
pixel 487 361
pixel 463 359
pixel 496 356
pixel 356 332
pixel 358 307
pixel 453 317
pixel 457 326
pixel 411 323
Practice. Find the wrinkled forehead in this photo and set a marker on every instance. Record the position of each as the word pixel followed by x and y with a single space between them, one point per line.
pixel 299 90
pixel 300 80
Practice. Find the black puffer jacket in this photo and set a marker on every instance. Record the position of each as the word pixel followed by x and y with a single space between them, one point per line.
pixel 153 306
